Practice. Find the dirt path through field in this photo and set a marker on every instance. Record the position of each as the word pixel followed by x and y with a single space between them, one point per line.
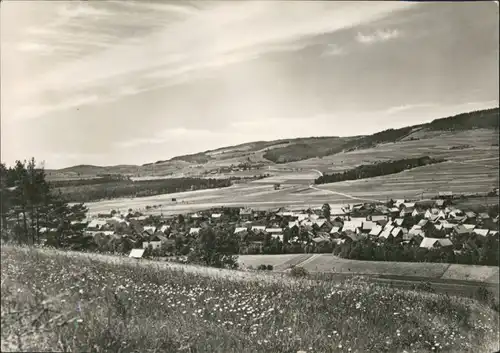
pixel 345 195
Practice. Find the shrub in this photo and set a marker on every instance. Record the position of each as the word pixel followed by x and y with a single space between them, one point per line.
pixel 298 271
pixel 424 286
pixel 263 267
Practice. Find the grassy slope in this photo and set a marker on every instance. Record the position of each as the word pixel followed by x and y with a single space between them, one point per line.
pixel 129 307
pixel 484 119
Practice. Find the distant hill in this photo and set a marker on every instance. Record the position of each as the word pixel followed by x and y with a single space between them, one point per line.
pixel 309 148
pixel 290 150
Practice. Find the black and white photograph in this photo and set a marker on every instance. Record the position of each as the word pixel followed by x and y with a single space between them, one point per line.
pixel 249 176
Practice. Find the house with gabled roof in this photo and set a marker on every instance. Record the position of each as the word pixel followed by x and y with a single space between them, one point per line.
pixel 394 211
pixel 335 231
pixel 258 229
pixel 273 230
pixel 482 232
pixel 350 236
pixel 430 243
pixel 149 230
pixel 358 221
pixel 386 233
pixel 389 226
pixel 383 222
pixel 398 203
pixel 240 230
pixel 431 212
pixel 293 224
pixel 376 230
pixel 469 226
pixel 447 226
pixel 416 230
pixel 416 213
pixel 350 226
pixel 377 218
pixel 398 222
pixel 320 222
pixel 406 212
pixel 461 230
pixel 397 232
pixel 367 226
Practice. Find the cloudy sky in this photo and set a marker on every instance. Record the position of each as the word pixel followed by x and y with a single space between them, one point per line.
pixel 130 82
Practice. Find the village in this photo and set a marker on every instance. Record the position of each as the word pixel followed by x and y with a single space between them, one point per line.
pixel 423 224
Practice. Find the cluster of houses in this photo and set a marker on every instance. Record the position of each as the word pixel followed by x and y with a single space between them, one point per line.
pixel 427 224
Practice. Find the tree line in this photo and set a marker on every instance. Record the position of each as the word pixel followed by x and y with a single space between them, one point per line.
pixel 28 204
pixel 90 181
pixel 486 119
pixel 128 188
pixel 476 251
pixel 377 169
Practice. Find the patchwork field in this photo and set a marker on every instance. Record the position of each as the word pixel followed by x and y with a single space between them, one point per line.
pixel 437 145
pixel 86 302
pixel 424 181
pixel 472 167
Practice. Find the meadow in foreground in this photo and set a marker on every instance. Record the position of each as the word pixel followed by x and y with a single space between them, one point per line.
pixel 55 302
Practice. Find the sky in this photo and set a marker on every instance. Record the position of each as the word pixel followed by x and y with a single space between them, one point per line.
pixel 132 82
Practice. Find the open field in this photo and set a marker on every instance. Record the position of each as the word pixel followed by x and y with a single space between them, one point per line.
pixel 417 183
pixel 327 263
pixel 437 145
pixel 469 170
pixel 252 195
pixel 424 182
pixel 89 302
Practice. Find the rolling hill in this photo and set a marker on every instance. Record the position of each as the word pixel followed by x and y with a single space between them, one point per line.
pixel 263 154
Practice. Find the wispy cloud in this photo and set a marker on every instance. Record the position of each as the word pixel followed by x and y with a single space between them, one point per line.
pixel 200 41
pixel 170 135
pixel 135 5
pixel 408 107
pixel 378 36
pixel 32 111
